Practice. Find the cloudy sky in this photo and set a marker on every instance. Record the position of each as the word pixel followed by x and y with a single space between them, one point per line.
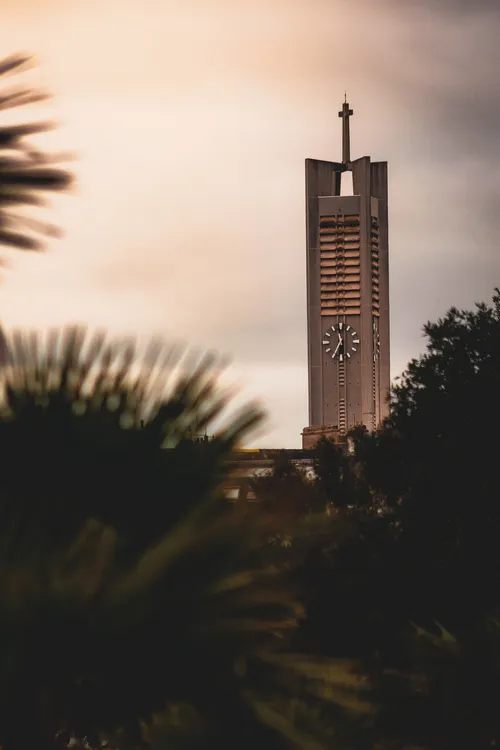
pixel 192 120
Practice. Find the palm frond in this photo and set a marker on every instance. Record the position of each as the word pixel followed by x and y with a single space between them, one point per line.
pixel 22 197
pixel 18 98
pixel 77 390
pixel 25 172
pixel 128 588
pixel 19 241
pixel 17 62
pixel 10 135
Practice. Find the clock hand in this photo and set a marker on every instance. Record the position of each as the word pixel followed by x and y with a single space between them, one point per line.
pixel 341 345
pixel 338 347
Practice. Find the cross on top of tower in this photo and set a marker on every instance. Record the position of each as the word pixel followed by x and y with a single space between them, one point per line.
pixel 346 113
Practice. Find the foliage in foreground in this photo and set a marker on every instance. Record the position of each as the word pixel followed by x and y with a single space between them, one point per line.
pixel 137 606
pixel 27 174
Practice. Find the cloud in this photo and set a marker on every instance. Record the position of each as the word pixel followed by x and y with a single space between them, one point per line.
pixel 455 8
pixel 193 121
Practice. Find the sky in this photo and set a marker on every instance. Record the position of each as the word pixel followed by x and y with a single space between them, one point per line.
pixel 192 120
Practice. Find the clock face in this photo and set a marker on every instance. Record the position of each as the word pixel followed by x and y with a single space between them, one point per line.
pixel 341 341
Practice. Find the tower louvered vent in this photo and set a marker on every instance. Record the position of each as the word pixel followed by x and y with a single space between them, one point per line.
pixel 339 239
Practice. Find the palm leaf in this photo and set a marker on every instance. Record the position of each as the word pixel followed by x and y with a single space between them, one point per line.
pixel 26 174
pixel 17 62
pixel 128 588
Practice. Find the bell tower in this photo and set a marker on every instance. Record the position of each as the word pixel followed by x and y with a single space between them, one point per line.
pixel 347 294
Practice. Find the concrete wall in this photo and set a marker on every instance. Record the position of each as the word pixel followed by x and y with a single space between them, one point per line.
pixel 322 179
pixel 379 189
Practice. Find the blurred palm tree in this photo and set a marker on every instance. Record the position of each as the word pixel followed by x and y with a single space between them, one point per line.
pixel 26 173
pixel 135 604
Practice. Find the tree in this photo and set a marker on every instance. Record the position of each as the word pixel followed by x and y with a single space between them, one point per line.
pixel 380 458
pixel 444 413
pixel 328 464
pixel 134 603
pixel 340 480
pixel 435 462
pixel 378 585
pixel 285 489
pixel 75 396
pixel 26 173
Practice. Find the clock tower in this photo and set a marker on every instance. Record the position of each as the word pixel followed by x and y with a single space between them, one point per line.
pixel 347 294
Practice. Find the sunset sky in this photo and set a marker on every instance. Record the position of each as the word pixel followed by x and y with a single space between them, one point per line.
pixel 192 120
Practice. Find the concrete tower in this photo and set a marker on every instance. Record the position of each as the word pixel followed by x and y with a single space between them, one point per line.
pixel 347 294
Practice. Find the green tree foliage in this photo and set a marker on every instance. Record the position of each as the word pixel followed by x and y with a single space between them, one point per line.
pixel 434 557
pixel 135 605
pixel 340 479
pixel 443 444
pixel 27 174
pixel 380 458
pixel 328 469
pixel 445 448
pixel 413 542
pixel 285 489
pixel 461 367
pixel 447 693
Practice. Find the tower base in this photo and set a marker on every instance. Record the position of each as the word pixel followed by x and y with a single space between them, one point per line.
pixel 311 435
